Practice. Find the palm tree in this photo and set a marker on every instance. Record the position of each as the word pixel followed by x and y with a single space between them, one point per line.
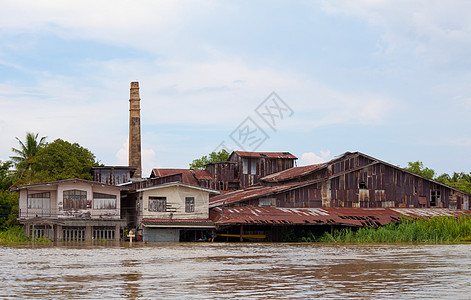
pixel 26 153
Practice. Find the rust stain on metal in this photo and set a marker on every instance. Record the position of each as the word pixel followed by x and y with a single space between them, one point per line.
pixel 321 216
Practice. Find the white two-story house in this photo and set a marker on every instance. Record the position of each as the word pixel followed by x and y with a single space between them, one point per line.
pixel 72 209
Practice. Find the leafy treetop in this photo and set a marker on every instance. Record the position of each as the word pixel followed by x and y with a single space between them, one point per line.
pixel 418 168
pixel 460 181
pixel 25 156
pixel 5 175
pixel 63 160
pixel 200 163
pixel 8 200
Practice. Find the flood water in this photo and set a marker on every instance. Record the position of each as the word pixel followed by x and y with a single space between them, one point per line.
pixel 241 271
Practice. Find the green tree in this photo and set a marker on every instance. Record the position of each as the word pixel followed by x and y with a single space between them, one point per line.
pixel 8 209
pixel 8 200
pixel 5 175
pixel 63 160
pixel 200 163
pixel 418 168
pixel 461 181
pixel 25 157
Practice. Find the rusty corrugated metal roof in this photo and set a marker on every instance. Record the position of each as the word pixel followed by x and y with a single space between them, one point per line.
pixel 202 175
pixel 266 154
pixel 292 173
pixel 254 192
pixel 189 176
pixel 166 172
pixel 372 217
pixel 74 180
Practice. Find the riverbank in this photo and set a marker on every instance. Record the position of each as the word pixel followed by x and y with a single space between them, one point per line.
pixel 431 230
pixel 424 230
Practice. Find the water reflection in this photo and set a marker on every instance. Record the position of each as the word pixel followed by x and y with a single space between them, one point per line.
pixel 199 270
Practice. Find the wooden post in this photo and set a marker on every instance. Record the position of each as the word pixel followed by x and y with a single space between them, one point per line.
pixel 241 233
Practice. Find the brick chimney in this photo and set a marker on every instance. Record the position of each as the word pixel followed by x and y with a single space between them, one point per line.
pixel 135 130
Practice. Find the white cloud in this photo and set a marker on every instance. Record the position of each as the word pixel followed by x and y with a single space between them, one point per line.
pixel 148 161
pixel 437 32
pixel 140 25
pixel 215 95
pixel 122 155
pixel 310 158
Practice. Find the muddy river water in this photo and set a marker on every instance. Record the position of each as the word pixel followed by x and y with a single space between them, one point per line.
pixel 240 271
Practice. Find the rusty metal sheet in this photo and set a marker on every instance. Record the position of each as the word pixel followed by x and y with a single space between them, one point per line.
pixel 292 173
pixel 254 192
pixel 75 180
pixel 266 154
pixel 318 216
pixel 202 175
pixel 187 176
pixel 202 222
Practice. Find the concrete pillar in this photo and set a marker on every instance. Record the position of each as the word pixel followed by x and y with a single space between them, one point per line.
pixel 135 130
pixel 59 233
pixel 27 230
pixel 117 233
pixel 88 233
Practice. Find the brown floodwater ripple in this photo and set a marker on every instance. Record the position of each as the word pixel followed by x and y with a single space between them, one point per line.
pixel 240 271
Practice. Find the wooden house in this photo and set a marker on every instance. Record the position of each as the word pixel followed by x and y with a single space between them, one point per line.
pixel 351 190
pixel 243 169
pixel 353 180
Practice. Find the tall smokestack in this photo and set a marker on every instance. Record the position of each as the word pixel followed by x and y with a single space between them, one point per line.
pixel 135 130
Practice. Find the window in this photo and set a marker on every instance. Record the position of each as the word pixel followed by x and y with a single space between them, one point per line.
pixel 75 199
pixel 435 198
pixel 189 204
pixel 253 166
pixel 245 166
pixel 246 162
pixel 158 204
pixel 39 200
pixel 362 185
pixel 104 201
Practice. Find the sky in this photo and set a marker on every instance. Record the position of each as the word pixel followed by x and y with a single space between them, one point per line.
pixel 391 79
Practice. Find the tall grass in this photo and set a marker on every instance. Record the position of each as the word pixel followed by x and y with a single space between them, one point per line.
pixel 16 234
pixel 432 230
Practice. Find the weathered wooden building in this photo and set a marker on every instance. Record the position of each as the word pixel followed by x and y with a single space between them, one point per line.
pixel 72 209
pixel 351 190
pixel 113 175
pixel 352 180
pixel 243 169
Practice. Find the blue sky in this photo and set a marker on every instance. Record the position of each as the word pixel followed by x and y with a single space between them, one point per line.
pixel 387 78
